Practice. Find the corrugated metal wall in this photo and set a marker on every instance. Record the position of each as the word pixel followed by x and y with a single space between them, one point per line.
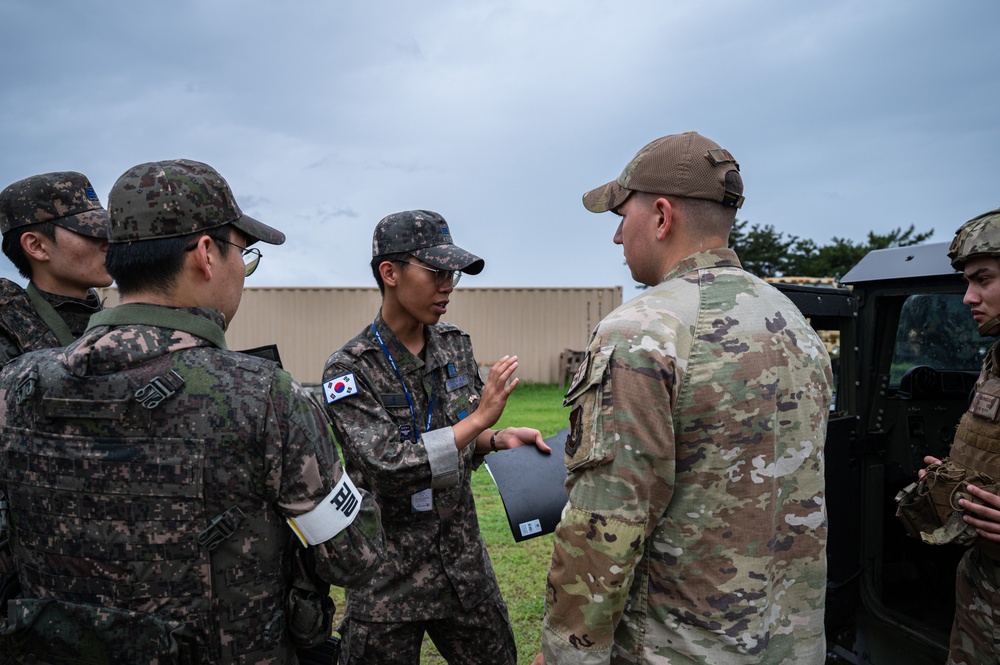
pixel 535 324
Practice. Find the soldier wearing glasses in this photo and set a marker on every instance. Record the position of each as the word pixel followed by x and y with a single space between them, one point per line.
pixel 163 489
pixel 414 418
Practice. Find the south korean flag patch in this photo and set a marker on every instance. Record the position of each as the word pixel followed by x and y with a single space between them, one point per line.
pixel 340 387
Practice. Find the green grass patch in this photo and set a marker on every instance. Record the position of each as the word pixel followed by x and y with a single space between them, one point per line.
pixel 520 567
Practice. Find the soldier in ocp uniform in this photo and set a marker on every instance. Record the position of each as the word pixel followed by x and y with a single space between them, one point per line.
pixel 165 491
pixel 695 530
pixel 55 232
pixel 975 251
pixel 414 419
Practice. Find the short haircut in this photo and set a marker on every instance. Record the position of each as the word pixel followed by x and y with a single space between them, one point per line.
pixel 709 219
pixel 12 245
pixel 379 260
pixel 154 265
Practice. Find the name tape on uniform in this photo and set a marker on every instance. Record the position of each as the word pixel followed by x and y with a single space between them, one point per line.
pixel 334 514
pixel 340 387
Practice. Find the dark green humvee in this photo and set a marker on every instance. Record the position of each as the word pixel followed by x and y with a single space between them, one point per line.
pixel 909 356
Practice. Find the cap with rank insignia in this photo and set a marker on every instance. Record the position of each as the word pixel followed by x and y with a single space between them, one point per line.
pixel 426 236
pixel 65 198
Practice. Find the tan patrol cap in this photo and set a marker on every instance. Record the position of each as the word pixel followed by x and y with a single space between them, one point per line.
pixel 685 165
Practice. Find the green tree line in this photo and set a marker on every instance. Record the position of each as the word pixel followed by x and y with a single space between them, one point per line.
pixel 769 253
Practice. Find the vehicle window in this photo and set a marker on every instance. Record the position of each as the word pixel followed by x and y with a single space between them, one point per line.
pixel 937 330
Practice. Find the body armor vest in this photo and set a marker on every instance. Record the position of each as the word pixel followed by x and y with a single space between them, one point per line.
pixel 144 490
pixel 977 441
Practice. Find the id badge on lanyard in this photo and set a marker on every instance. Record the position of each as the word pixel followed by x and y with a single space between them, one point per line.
pixel 423 500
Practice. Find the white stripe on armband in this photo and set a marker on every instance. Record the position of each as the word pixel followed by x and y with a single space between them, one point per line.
pixel 334 514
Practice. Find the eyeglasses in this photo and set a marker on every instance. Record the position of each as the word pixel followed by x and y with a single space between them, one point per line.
pixel 441 275
pixel 251 255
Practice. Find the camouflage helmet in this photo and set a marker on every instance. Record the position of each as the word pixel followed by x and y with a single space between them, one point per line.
pixel 65 198
pixel 977 237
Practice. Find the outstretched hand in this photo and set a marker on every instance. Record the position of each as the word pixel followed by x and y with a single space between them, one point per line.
pixel 497 390
pixel 515 437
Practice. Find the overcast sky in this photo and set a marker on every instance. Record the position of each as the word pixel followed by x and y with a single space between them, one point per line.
pixel 325 116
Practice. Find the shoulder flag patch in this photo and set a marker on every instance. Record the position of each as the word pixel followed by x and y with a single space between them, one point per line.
pixel 340 387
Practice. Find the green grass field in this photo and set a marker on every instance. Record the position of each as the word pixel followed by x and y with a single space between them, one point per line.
pixel 520 567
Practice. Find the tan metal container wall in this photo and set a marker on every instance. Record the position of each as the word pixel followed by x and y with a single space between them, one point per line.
pixel 308 324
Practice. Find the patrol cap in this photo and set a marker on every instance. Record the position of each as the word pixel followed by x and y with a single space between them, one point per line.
pixel 174 198
pixel 979 236
pixel 65 198
pixel 686 165
pixel 425 235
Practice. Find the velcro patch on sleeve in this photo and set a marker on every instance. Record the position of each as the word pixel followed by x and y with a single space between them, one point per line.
pixel 340 387
pixel 333 514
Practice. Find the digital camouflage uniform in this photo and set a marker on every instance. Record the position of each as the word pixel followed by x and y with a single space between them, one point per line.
pixel 32 319
pixel 695 531
pixel 436 565
pixel 122 449
pixel 23 330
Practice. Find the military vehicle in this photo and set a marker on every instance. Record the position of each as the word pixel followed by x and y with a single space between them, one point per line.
pixel 909 356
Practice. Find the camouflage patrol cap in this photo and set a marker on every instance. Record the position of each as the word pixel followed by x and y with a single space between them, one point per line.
pixel 979 236
pixel 174 198
pixel 424 235
pixel 685 165
pixel 65 198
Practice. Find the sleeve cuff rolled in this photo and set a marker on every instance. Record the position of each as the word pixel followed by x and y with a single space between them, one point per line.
pixel 442 456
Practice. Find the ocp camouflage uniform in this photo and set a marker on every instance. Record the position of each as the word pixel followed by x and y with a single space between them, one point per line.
pixel 151 472
pixel 23 329
pixel 696 527
pixel 977 581
pixel 436 565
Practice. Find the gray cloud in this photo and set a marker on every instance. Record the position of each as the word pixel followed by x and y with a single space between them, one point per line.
pixel 324 117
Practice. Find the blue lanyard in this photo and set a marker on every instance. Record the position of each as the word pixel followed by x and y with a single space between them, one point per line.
pixel 406 391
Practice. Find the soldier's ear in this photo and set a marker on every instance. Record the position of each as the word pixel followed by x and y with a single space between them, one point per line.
pixel 201 259
pixel 389 270
pixel 665 217
pixel 36 246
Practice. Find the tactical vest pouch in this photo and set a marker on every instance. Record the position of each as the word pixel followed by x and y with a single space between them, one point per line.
pixel 53 631
pixel 929 509
pixel 309 607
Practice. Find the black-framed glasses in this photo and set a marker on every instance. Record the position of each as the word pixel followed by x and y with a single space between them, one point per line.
pixel 441 275
pixel 251 255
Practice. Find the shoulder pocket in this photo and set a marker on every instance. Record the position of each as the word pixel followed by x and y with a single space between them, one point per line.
pixel 591 426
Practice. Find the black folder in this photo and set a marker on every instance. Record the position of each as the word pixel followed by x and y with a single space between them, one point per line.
pixel 532 486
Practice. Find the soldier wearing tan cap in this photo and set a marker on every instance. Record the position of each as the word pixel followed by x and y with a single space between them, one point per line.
pixel 55 232
pixel 695 530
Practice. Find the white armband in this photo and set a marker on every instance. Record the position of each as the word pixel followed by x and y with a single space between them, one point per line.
pixel 333 514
